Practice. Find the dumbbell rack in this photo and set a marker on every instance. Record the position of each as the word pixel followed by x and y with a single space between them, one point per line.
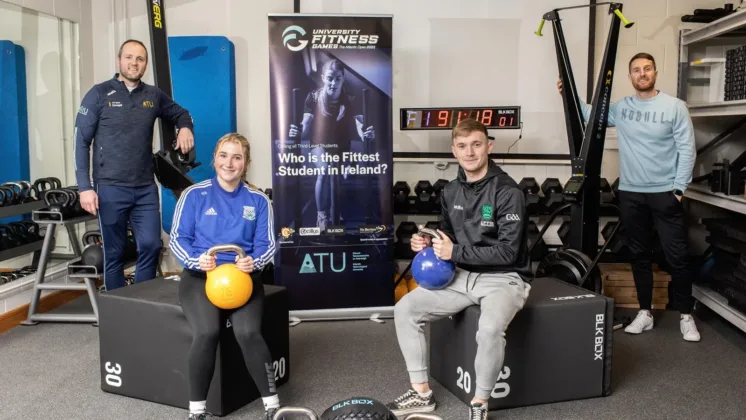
pixel 42 217
pixel 16 210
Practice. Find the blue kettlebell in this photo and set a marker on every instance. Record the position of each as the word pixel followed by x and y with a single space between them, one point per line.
pixel 429 271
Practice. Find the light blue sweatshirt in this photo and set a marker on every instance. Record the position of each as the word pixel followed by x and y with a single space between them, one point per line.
pixel 656 142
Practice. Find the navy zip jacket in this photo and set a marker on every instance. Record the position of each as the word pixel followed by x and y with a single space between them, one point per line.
pixel 207 215
pixel 120 125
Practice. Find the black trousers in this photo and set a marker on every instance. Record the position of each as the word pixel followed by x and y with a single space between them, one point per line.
pixel 640 213
pixel 205 320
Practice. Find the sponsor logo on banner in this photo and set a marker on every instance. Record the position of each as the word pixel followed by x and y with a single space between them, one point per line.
pixel 291 33
pixel 367 230
pixel 287 232
pixel 335 230
pixel 310 231
pixel 328 39
pixel 320 262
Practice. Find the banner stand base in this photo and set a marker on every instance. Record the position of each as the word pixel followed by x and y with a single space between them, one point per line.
pixel 376 314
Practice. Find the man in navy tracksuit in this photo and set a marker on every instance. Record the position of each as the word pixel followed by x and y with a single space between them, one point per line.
pixel 117 117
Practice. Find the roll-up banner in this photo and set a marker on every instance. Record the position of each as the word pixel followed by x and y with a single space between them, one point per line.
pixel 332 129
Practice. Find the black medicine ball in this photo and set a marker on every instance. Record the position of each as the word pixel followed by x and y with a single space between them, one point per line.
pixel 358 408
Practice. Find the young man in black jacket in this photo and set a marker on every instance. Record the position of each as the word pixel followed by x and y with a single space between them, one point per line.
pixel 483 229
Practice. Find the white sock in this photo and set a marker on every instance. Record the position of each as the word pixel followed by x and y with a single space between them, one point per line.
pixel 686 317
pixel 426 394
pixel 197 407
pixel 271 402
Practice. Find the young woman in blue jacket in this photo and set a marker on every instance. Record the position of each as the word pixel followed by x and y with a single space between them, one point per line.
pixel 224 210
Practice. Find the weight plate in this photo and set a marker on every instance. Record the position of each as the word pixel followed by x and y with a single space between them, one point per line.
pixel 563 266
pixel 570 266
pixel 593 282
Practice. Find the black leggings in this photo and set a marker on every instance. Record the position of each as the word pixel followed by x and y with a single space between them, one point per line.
pixel 205 320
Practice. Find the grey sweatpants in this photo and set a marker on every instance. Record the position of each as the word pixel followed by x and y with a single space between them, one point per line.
pixel 500 296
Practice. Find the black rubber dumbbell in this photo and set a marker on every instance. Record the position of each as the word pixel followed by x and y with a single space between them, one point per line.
pixel 433 224
pixel 607 196
pixel 401 192
pixel 552 189
pixel 425 199
pixel 618 243
pixel 540 250
pixel 438 191
pixel 404 232
pixel 531 189
pixel 564 232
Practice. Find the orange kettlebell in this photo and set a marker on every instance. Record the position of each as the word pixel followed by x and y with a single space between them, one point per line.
pixel 227 287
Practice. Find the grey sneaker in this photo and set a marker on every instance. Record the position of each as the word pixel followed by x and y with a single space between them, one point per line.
pixel 477 411
pixel 412 402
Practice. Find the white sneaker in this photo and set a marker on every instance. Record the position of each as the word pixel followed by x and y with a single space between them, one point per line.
pixel 689 328
pixel 643 322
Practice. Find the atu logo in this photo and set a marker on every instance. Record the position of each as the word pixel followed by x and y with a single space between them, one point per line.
pixel 291 33
pixel 322 260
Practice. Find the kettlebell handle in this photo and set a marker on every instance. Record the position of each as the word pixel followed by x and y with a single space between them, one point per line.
pixel 227 248
pixel 432 232
pixel 295 410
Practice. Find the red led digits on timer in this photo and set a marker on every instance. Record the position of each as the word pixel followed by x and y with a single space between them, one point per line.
pixel 443 118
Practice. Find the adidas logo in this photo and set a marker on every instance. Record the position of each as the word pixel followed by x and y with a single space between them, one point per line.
pixel 211 212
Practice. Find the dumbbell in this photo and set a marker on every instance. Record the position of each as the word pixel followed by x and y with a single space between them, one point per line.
pixel 617 244
pixel 401 192
pixel 404 232
pixel 607 196
pixel 438 192
pixel 540 250
pixel 552 189
pixel 423 191
pixel 564 232
pixel 433 224
pixel 530 188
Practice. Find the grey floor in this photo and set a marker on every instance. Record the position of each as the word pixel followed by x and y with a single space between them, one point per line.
pixel 50 371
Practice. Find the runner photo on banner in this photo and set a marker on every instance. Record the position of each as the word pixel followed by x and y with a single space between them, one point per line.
pixel 331 106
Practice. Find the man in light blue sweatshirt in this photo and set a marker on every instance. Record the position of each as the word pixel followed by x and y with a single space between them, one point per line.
pixel 656 158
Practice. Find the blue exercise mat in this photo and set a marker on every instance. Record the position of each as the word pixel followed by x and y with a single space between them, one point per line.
pixel 13 114
pixel 204 82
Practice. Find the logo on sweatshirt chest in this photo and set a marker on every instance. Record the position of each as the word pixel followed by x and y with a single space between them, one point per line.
pixel 249 213
pixel 656 117
pixel 486 212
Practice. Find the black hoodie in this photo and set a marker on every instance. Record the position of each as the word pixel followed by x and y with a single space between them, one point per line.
pixel 487 222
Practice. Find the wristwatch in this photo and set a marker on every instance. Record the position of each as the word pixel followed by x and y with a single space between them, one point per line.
pixel 678 192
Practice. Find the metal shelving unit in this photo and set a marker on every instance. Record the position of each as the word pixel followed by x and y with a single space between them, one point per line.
pixel 713 39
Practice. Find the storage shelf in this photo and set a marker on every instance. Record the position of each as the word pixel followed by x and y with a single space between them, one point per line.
pixel 717 109
pixel 717 28
pixel 21 250
pixel 719 305
pixel 702 193
pixel 8 211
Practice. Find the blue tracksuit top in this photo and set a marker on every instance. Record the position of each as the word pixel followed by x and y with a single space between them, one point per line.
pixel 120 126
pixel 207 215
